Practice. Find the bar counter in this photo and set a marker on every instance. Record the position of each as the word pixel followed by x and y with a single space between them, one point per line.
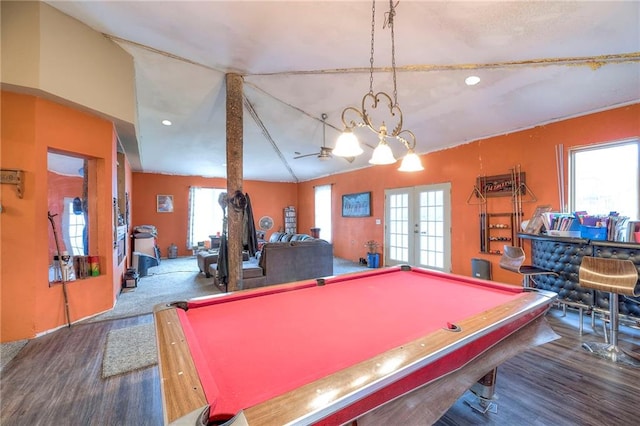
pixel 563 255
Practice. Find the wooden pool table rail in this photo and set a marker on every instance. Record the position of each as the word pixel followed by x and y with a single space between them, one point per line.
pixel 182 390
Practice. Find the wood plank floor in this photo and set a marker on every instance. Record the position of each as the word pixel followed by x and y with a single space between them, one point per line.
pixel 56 380
pixel 562 384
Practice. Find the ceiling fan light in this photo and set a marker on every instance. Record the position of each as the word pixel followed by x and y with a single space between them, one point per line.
pixel 382 155
pixel 411 163
pixel 347 145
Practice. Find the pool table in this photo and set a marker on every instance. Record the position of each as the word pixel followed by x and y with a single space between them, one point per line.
pixel 338 349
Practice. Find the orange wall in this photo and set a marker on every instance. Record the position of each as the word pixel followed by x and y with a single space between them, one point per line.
pixel 533 150
pixel 30 126
pixel 267 199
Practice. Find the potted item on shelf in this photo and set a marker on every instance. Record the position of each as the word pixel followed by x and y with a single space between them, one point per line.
pixel 373 258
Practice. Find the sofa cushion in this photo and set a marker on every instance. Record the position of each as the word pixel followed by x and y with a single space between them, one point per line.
pixel 251 269
pixel 275 237
pixel 286 237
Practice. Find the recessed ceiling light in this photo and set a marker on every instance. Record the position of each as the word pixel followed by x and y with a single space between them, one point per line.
pixel 167 122
pixel 472 80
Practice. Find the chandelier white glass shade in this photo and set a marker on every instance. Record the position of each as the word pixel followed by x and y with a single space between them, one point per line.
pixel 411 163
pixel 382 154
pixel 348 144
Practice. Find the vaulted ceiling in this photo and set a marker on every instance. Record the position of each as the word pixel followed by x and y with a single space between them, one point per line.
pixel 538 62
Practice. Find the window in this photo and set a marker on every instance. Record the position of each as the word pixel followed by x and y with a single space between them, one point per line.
pixel 205 214
pixel 74 231
pixel 323 211
pixel 606 178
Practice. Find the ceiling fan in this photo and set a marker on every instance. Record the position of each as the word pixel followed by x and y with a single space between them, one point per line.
pixel 325 151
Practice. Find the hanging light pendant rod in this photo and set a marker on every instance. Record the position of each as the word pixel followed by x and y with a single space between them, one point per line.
pixel 348 144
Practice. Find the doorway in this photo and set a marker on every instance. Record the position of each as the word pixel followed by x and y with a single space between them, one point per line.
pixel 418 226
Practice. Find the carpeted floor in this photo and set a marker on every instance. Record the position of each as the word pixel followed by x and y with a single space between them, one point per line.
pixel 179 279
pixel 172 280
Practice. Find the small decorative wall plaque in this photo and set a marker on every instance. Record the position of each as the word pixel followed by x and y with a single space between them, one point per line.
pixel 13 177
pixel 501 185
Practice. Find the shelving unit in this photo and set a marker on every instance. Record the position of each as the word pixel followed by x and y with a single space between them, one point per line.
pixel 290 220
pixel 496 230
pixel 500 228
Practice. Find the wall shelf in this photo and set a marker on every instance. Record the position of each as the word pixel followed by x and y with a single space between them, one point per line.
pixel 500 229
pixel 290 220
pixel 496 230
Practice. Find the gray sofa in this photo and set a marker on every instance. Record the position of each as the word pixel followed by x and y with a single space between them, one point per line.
pixel 283 262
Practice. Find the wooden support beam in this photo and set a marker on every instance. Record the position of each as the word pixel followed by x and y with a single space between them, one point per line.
pixel 234 178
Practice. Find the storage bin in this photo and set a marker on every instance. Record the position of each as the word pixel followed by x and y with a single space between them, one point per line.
pixel 593 232
pixel 131 278
pixel 172 251
pixel 481 268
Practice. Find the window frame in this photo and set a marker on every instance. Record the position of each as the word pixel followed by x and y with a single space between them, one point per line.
pixel 192 242
pixel 323 210
pixel 594 147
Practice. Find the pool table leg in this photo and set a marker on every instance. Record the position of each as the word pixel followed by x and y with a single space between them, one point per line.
pixel 484 390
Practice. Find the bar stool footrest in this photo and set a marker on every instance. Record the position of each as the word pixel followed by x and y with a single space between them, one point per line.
pixel 611 353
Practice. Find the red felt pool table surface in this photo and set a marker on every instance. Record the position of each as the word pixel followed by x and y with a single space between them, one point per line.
pixel 256 346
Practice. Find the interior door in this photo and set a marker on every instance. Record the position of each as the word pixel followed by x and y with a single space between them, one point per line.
pixel 418 226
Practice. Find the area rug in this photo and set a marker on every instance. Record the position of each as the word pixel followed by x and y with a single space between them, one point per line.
pixel 129 349
pixel 9 350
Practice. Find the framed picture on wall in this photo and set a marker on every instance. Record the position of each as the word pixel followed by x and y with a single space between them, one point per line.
pixel 164 204
pixel 356 205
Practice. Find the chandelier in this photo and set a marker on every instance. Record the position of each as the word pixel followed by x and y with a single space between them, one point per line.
pixel 348 145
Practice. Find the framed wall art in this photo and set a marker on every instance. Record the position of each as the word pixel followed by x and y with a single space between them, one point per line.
pixel 356 205
pixel 164 204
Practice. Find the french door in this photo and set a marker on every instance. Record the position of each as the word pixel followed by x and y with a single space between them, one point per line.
pixel 418 226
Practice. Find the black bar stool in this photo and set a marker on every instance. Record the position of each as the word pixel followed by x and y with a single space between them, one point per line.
pixel 616 277
pixel 512 260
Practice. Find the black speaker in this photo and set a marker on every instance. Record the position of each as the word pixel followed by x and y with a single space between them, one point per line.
pixel 481 268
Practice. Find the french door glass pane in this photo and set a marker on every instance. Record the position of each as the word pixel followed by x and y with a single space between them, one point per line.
pixel 431 217
pixel 398 227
